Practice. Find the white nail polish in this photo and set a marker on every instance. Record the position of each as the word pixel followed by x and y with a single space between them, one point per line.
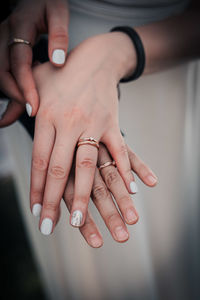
pixel 133 187
pixel 58 56
pixel 36 210
pixel 3 107
pixel 77 217
pixel 46 226
pixel 28 109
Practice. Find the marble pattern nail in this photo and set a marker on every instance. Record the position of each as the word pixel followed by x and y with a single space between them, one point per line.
pixel 77 217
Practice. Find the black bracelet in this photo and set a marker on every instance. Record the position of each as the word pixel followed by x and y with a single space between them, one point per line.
pixel 139 51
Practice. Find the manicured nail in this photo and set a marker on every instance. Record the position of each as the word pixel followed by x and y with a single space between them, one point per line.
pixel 36 210
pixel 76 218
pixel 46 226
pixel 121 234
pixel 95 241
pixel 28 109
pixel 133 187
pixel 3 108
pixel 58 57
pixel 151 179
pixel 131 216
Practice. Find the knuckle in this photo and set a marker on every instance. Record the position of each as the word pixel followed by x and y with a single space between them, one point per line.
pixel 84 199
pixel 59 32
pixel 111 177
pixel 124 199
pixel 50 206
pixel 57 172
pixel 87 162
pixel 123 149
pixel 132 155
pixel 142 170
pixel 112 218
pixel 44 114
pixel 39 163
pixel 35 196
pixel 99 192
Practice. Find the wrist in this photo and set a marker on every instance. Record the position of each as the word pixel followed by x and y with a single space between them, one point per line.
pixel 123 55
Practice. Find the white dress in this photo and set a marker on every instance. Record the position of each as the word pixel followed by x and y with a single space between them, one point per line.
pixel 160 115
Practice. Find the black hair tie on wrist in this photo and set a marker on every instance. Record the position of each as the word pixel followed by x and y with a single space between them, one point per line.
pixel 139 51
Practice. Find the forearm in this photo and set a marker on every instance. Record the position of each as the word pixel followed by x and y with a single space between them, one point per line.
pixel 171 41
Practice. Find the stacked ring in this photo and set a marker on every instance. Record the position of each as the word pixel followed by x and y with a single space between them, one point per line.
pixel 88 141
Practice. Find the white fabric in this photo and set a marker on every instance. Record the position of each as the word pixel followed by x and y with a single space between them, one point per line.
pixel 160 116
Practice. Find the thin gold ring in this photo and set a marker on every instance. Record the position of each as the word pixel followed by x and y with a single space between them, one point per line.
pixel 88 139
pixel 88 143
pixel 106 164
pixel 19 41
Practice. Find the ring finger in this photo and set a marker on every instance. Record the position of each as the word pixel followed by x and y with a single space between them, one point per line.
pixel 106 207
pixel 117 187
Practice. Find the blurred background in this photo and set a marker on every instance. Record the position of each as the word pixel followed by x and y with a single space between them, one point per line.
pixel 161 260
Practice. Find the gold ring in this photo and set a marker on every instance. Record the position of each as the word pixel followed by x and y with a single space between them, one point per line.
pixel 88 139
pixel 88 143
pixel 108 163
pixel 19 41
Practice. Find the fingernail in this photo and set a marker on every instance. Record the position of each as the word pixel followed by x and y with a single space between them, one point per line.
pixel 28 109
pixel 133 187
pixel 58 56
pixel 76 218
pixel 151 179
pixel 46 226
pixel 3 107
pixel 36 210
pixel 95 241
pixel 131 216
pixel 121 234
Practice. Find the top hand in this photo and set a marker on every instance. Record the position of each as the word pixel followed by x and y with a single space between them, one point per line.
pixel 77 101
pixel 28 20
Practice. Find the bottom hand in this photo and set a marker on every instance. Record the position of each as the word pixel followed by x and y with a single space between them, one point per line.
pixel 107 181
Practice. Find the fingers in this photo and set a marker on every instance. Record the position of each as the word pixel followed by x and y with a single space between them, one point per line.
pixel 89 230
pixel 86 159
pixel 58 20
pixel 118 150
pixel 56 177
pixel 106 207
pixel 42 149
pixel 141 169
pixel 117 187
pixel 21 63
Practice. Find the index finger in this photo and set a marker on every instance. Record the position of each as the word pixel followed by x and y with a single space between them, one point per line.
pixel 21 67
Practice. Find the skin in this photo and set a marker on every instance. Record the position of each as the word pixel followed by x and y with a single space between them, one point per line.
pixel 87 106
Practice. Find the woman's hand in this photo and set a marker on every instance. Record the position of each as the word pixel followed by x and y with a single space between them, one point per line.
pixel 107 181
pixel 28 21
pixel 80 100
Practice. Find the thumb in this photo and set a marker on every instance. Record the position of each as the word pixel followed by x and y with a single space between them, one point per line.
pixel 58 20
pixel 10 112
